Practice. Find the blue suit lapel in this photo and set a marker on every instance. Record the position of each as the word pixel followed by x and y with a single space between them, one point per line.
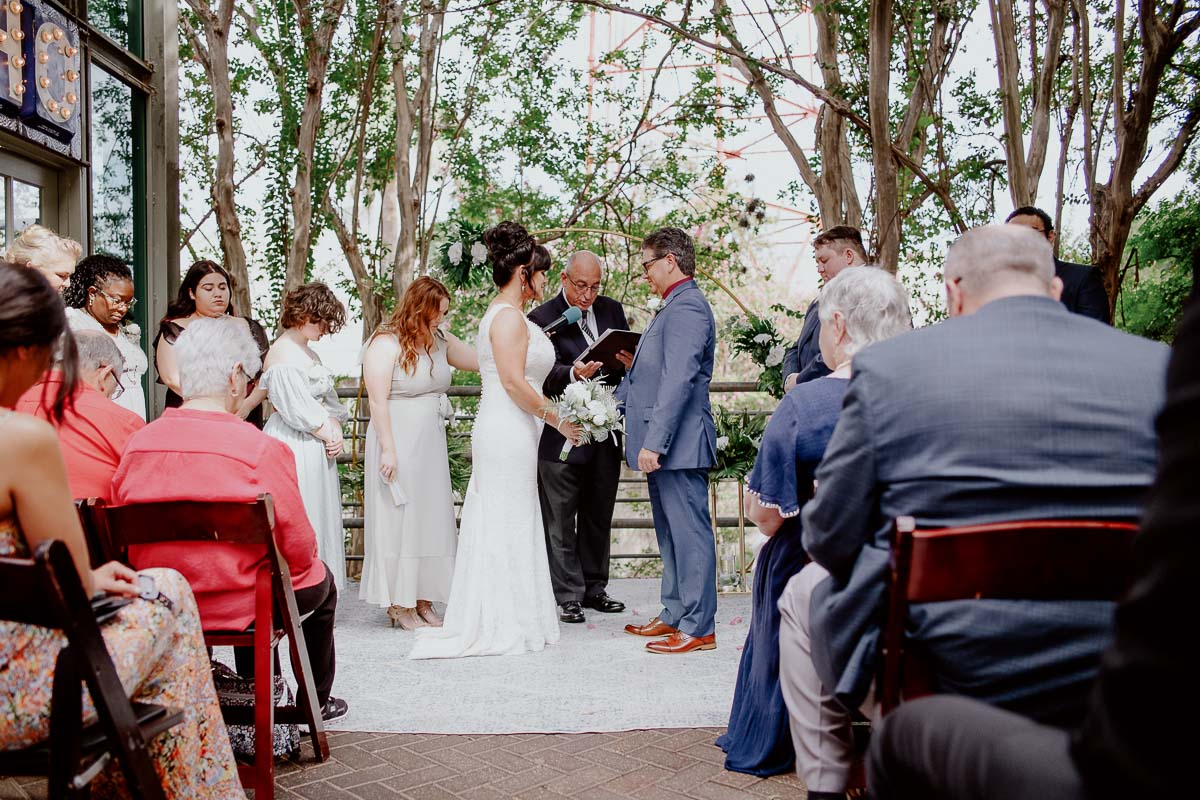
pixel 670 299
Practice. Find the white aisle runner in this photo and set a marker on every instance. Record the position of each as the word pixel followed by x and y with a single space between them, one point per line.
pixel 596 679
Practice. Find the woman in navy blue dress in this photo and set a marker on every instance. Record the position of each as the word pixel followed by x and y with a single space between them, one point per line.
pixel 858 307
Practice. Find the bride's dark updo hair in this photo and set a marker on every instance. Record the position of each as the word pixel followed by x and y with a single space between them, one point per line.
pixel 510 249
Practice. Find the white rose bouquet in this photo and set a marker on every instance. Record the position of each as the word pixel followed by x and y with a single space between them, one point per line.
pixel 592 406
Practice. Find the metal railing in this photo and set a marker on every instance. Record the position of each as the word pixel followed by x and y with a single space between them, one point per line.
pixel 731 579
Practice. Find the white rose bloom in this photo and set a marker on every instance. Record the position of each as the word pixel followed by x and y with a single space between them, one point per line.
pixel 595 407
pixel 599 419
pixel 455 253
pixel 763 338
pixel 478 253
pixel 722 442
pixel 775 357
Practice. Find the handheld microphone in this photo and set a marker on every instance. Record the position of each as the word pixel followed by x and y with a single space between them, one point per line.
pixel 569 317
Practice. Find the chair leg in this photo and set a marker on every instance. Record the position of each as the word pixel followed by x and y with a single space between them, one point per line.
pixel 264 707
pixel 306 693
pixel 66 711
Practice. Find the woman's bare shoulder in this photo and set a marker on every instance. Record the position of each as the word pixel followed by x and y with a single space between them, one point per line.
pixel 27 437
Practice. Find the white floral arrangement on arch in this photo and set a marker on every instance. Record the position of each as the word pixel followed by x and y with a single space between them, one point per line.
pixel 462 255
pixel 592 406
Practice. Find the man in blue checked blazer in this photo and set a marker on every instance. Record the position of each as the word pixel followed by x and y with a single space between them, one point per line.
pixel 670 435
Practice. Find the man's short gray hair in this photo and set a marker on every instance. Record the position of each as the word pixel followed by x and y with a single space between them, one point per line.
pixel 984 258
pixel 207 352
pixel 96 350
pixel 871 300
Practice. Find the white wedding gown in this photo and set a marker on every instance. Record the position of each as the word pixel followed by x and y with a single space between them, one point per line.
pixel 501 601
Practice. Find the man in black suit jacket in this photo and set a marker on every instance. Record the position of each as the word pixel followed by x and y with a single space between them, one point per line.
pixel 578 495
pixel 1083 288
pixel 835 249
pixel 958 749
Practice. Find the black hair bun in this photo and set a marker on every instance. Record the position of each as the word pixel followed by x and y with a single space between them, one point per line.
pixel 509 247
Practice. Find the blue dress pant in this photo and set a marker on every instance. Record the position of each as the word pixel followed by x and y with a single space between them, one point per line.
pixel 679 501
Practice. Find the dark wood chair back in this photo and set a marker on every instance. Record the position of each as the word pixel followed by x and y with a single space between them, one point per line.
pixel 45 590
pixel 1019 560
pixel 276 615
pixel 98 551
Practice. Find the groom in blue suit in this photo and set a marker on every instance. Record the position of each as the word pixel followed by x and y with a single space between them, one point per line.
pixel 671 437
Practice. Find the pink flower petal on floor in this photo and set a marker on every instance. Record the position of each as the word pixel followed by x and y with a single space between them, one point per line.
pixel 739 647
pixel 736 621
pixel 591 627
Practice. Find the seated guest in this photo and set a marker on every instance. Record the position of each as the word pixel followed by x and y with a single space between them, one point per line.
pixel 44 250
pixel 202 451
pixel 1083 286
pixel 862 305
pixel 94 430
pixel 947 748
pixel 1013 409
pixel 156 645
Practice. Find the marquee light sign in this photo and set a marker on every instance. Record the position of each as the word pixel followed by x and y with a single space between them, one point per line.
pixel 40 81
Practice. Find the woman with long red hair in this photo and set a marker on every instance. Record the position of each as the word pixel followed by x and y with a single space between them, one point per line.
pixel 410 535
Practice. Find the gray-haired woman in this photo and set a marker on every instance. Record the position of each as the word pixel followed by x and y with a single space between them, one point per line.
pixel 202 451
pixel 862 305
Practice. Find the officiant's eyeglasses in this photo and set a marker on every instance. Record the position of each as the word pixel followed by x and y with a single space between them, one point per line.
pixel 585 288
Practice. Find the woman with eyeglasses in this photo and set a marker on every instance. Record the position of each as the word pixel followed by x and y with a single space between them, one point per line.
pixel 99 298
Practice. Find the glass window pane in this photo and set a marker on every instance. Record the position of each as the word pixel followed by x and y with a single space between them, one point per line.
pixel 27 205
pixel 119 20
pixel 112 166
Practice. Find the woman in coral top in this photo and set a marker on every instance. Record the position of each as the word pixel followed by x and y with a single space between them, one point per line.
pixel 203 451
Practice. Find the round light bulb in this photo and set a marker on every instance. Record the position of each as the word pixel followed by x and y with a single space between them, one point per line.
pixel 44 82
pixel 18 35
pixel 65 112
pixel 71 98
pixel 53 106
pixel 43 57
pixel 58 34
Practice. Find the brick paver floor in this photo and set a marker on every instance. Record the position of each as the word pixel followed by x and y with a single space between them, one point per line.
pixel 646 765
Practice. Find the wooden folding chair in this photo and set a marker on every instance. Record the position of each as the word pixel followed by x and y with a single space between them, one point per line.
pixel 1023 560
pixel 275 612
pixel 46 591
pixel 97 550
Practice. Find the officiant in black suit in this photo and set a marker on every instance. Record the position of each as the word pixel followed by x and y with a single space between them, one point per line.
pixel 578 495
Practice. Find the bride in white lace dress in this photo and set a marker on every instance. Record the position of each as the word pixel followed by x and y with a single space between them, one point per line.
pixel 501 601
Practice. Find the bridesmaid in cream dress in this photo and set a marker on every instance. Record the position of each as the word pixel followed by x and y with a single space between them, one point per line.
pixel 308 416
pixel 410 537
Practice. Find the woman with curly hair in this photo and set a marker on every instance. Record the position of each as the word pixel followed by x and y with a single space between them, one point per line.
pixel 410 535
pixel 308 416
pixel 98 298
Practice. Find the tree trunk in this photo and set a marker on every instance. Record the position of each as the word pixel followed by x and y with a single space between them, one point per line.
pixel 213 57
pixel 1115 204
pixel 317 36
pixel 887 206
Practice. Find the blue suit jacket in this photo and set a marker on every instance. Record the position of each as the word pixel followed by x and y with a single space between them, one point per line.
pixel 665 393
pixel 1021 410
pixel 804 357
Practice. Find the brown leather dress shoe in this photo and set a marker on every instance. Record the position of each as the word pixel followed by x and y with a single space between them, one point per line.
pixel 655 627
pixel 680 642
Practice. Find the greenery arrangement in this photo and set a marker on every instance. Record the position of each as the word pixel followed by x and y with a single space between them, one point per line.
pixel 757 338
pixel 458 449
pixel 739 434
pixel 462 256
